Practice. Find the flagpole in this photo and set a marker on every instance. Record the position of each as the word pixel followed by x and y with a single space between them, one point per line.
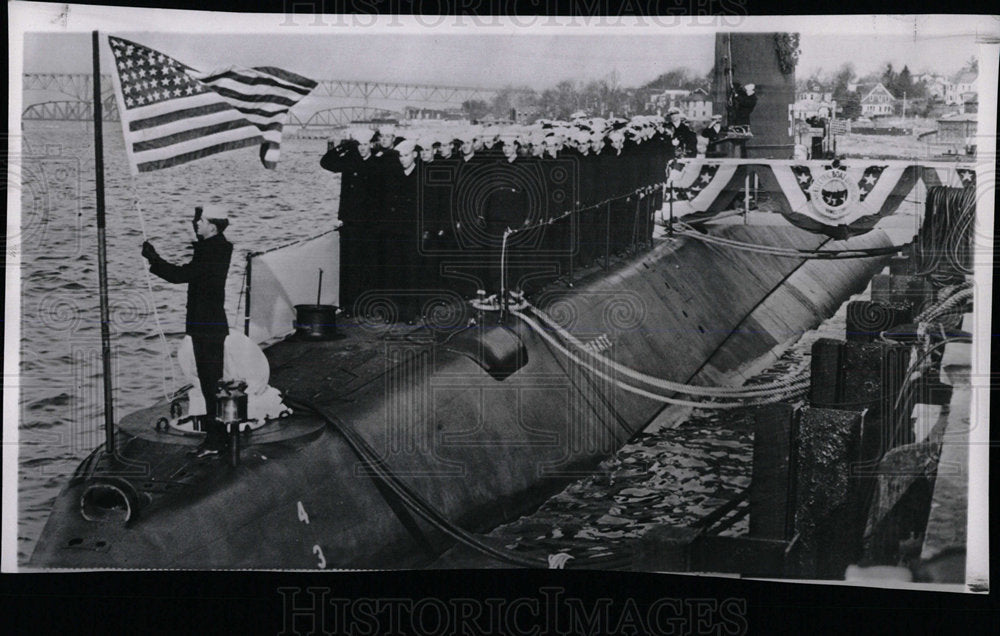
pixel 102 254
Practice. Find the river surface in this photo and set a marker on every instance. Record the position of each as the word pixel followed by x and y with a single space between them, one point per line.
pixel 61 404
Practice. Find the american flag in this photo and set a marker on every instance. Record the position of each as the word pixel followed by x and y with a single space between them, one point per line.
pixel 172 114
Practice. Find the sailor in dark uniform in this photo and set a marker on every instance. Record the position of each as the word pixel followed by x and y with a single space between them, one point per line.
pixel 432 210
pixel 206 321
pixel 386 157
pixel 353 159
pixel 744 102
pixel 506 210
pixel 607 179
pixel 682 138
pixel 619 188
pixel 467 213
pixel 400 232
pixel 713 133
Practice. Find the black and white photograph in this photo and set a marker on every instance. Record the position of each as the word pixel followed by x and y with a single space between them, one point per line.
pixel 359 292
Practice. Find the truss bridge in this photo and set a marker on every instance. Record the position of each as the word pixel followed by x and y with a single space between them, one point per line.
pixel 67 97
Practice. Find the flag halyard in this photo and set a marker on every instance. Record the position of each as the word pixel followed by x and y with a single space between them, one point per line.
pixel 172 114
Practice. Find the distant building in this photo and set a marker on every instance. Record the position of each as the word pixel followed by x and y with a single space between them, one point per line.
pixel 814 93
pixel 877 101
pixel 667 98
pixel 806 108
pixel 970 102
pixel 696 105
pixel 964 82
pixel 957 132
pixel 413 112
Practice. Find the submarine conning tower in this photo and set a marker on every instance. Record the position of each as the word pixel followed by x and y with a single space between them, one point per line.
pixel 760 59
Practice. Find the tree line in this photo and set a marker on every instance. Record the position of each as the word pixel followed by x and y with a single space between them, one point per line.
pixel 603 97
pixel 898 82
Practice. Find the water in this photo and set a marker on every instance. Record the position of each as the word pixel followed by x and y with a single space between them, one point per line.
pixel 61 400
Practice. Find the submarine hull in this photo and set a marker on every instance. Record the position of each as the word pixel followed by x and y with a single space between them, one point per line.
pixel 484 422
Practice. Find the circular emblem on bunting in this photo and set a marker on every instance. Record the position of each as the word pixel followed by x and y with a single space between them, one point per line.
pixel 833 194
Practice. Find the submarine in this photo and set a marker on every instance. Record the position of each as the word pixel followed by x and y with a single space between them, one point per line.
pixel 480 424
pixel 402 439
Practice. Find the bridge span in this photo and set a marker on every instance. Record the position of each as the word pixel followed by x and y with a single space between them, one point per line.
pixel 49 95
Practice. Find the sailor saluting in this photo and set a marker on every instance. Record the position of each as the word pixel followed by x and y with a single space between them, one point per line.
pixel 206 320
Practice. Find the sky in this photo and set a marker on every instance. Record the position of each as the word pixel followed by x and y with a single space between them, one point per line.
pixel 537 58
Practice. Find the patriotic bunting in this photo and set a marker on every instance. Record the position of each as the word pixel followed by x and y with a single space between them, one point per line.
pixel 839 200
pixel 696 185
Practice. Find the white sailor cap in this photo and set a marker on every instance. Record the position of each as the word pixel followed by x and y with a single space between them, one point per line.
pixel 361 135
pixel 406 146
pixel 212 212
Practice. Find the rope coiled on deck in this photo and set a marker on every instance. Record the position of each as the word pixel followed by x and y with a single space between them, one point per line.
pixel 944 247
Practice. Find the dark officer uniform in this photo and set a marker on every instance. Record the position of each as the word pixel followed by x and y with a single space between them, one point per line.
pixel 506 207
pixel 713 132
pixel 399 229
pixel 356 242
pixel 688 141
pixel 206 320
pixel 472 177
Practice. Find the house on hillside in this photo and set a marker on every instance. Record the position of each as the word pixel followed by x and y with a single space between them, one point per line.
pixel 876 101
pixel 814 93
pixel 696 105
pixel 964 82
pixel 668 98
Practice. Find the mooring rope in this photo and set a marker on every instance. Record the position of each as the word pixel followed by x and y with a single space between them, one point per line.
pixel 963 292
pixel 765 397
pixel 787 252
pixel 429 513
pixel 795 379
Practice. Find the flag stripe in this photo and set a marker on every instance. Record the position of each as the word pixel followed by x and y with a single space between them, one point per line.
pixel 263 89
pixel 174 160
pixel 178 115
pixel 288 76
pixel 268 98
pixel 247 132
pixel 255 80
pixel 204 121
pixel 192 133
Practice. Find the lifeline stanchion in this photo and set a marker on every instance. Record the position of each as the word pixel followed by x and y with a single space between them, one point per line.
pixel 607 234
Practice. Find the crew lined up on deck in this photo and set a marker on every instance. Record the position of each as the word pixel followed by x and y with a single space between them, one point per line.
pixel 437 209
